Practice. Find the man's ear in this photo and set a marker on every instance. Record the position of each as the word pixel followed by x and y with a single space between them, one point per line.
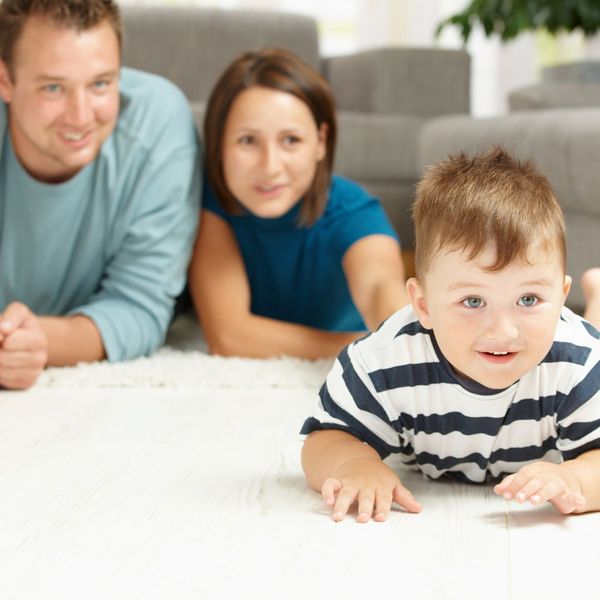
pixel 6 84
pixel 419 302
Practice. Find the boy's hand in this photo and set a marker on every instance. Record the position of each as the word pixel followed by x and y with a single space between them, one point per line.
pixel 23 347
pixel 372 484
pixel 544 482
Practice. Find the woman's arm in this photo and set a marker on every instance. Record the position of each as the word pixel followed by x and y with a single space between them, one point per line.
pixel 375 275
pixel 221 295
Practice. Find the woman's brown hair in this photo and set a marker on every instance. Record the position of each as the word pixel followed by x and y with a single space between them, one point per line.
pixel 280 70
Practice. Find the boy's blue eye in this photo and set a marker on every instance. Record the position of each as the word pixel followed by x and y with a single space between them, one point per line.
pixel 528 300
pixel 473 302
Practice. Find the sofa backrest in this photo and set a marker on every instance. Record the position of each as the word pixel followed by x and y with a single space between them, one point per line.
pixel 192 46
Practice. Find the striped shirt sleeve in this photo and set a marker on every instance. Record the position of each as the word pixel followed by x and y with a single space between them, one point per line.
pixel 348 402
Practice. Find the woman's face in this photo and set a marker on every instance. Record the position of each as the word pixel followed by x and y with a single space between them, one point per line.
pixel 271 147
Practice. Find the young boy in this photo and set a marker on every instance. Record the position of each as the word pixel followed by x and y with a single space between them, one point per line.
pixel 486 376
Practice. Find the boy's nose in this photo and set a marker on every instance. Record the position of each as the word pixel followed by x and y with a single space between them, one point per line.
pixel 502 327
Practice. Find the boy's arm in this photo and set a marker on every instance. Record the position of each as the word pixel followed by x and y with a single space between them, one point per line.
pixel 345 470
pixel 573 486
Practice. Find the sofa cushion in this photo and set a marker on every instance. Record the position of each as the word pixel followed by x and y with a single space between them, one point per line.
pixel 555 95
pixel 377 147
pixel 564 144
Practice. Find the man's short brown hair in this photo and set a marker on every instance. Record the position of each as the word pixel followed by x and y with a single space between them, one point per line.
pixel 467 203
pixel 280 70
pixel 76 14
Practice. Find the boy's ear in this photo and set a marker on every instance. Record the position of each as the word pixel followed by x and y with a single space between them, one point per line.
pixel 419 302
pixel 566 287
pixel 6 84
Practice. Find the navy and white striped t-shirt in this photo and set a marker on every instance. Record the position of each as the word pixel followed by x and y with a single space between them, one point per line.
pixel 394 390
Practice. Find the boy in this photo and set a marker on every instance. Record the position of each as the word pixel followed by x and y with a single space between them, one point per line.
pixel 487 375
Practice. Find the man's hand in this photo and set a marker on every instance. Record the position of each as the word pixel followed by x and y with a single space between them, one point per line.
pixel 544 482
pixel 23 347
pixel 372 484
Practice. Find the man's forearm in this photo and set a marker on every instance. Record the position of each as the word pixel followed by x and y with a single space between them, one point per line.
pixel 71 340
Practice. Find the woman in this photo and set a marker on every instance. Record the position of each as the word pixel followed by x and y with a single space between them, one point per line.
pixel 289 259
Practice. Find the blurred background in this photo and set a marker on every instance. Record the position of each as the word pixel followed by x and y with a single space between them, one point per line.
pixel 498 67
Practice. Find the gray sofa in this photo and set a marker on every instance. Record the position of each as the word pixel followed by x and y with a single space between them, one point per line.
pixel 385 97
pixel 557 124
pixel 400 109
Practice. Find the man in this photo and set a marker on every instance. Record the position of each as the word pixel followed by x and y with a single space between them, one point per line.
pixel 99 191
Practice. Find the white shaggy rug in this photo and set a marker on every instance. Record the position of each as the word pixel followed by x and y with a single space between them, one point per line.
pixel 184 363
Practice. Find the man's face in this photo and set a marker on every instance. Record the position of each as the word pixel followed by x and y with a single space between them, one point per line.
pixel 63 96
pixel 492 327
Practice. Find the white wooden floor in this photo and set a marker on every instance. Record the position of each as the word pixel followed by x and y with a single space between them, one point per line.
pixel 188 494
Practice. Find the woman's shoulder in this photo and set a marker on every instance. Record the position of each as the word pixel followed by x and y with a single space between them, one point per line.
pixel 348 196
pixel 346 189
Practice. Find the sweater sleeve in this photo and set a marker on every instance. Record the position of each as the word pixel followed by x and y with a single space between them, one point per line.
pixel 147 270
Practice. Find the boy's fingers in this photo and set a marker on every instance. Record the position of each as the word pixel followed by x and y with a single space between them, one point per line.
pixel 343 502
pixel 550 489
pixel 500 488
pixel 404 498
pixel 366 501
pixel 329 489
pixel 568 503
pixel 512 484
pixel 383 505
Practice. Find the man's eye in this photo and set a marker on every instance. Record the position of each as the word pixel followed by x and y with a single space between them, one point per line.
pixel 473 302
pixel 52 88
pixel 100 84
pixel 528 300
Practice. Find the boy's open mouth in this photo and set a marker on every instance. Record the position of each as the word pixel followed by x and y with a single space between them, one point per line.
pixel 498 357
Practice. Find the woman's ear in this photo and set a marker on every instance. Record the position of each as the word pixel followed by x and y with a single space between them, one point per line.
pixel 418 300
pixel 322 133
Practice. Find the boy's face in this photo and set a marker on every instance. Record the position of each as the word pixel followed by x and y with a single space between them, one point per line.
pixel 492 327
pixel 63 96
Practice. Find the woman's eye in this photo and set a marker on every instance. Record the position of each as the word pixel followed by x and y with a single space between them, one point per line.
pixel 246 139
pixel 290 140
pixel 473 302
pixel 528 300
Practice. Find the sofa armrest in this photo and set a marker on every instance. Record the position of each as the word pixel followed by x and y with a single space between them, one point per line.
pixel 418 81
